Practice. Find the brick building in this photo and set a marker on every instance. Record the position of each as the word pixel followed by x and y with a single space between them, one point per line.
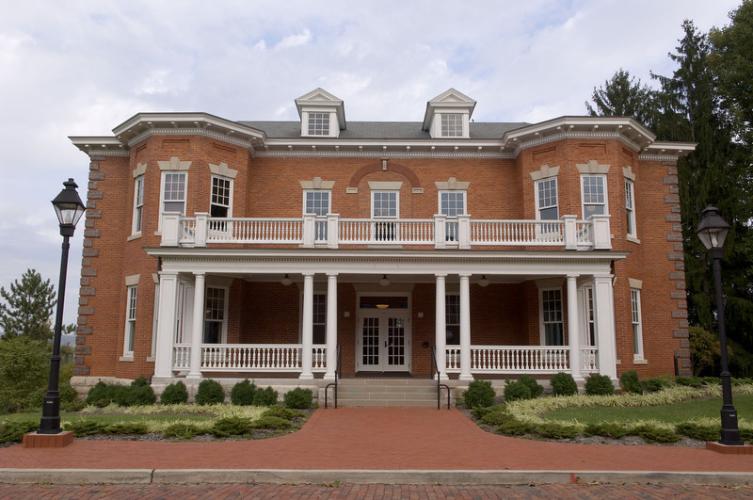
pixel 261 249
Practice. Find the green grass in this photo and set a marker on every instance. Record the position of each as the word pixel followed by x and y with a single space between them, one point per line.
pixel 678 412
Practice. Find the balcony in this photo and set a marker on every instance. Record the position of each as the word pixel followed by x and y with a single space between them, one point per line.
pixel 441 232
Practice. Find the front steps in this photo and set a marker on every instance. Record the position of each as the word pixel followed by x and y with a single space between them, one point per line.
pixel 411 392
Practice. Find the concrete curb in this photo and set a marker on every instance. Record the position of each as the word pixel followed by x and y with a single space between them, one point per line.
pixel 295 476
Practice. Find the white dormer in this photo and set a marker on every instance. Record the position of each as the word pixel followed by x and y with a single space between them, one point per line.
pixel 322 114
pixel 448 115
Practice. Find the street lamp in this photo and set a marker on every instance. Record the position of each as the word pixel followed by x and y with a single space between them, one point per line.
pixel 69 208
pixel 712 231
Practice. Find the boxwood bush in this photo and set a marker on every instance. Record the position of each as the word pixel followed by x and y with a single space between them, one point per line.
pixel 480 393
pixel 137 394
pixel 535 388
pixel 174 394
pixel 231 426
pixel 563 384
pixel 210 392
pixel 242 393
pixel 265 397
pixel 599 385
pixel 13 432
pixel 280 412
pixel 630 383
pixel 84 427
pixel 126 428
pixel 299 398
pixel 515 391
pixel 181 431
pixel 271 422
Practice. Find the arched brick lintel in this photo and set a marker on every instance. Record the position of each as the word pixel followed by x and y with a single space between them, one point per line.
pixel 391 167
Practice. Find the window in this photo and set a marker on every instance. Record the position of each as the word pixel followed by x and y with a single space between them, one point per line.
pixel 138 204
pixel 214 315
pixel 173 193
pixel 452 204
pixel 130 325
pixel 220 204
pixel 320 318
pixel 317 203
pixel 551 315
pixel 546 199
pixel 385 205
pixel 594 195
pixel 452 124
pixel 630 207
pixel 590 321
pixel 635 309
pixel 318 123
pixel 452 319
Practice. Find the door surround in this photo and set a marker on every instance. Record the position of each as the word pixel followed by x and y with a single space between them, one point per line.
pixel 404 314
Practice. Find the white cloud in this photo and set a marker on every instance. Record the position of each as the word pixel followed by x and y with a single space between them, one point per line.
pixel 296 40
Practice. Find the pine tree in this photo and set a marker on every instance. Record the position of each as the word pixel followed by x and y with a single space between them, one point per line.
pixel 624 95
pixel 26 308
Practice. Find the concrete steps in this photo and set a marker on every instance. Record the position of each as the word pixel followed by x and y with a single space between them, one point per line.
pixel 388 392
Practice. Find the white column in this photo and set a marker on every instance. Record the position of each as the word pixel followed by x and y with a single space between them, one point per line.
pixel 573 325
pixel 331 326
pixel 197 327
pixel 465 328
pixel 440 326
pixel 163 355
pixel 307 332
pixel 604 317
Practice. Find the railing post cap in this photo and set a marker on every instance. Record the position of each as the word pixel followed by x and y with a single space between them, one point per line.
pixel 566 217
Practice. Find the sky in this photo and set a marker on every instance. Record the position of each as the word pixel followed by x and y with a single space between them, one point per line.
pixel 83 67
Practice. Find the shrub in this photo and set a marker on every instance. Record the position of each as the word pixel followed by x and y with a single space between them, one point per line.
pixel 103 394
pixel 280 412
pixel 265 397
pixel 210 392
pixel 630 383
pixel 242 393
pixel 141 381
pixel 514 427
pixel 746 434
pixel 515 391
pixel 181 431
pixel 137 394
pixel 698 431
pixel 271 422
pixel 479 393
pixel 695 382
pixel 599 385
pixel 13 432
pixel 75 405
pixel 174 394
pixel 24 365
pixel 84 427
pixel 126 428
pixel 614 430
pixel 231 426
pixel 657 434
pixel 496 418
pixel 535 388
pixel 299 398
pixel 563 384
pixel 653 385
pixel 556 430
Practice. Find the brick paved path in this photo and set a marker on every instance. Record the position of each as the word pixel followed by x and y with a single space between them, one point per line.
pixel 373 491
pixel 376 438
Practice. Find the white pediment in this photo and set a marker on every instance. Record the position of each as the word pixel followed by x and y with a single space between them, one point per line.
pixel 452 96
pixel 318 95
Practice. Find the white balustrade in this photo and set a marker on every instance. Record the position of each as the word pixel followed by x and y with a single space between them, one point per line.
pixel 517 232
pixel 249 357
pixel 186 229
pixel 256 230
pixel 386 231
pixel 319 361
pixel 589 359
pixel 452 358
pixel 584 233
pixel 512 359
pixel 181 356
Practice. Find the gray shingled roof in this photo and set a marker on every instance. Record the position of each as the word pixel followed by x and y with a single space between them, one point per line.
pixel 381 130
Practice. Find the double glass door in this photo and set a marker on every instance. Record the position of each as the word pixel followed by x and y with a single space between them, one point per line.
pixel 383 341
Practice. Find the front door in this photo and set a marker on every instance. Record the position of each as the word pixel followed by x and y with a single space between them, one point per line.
pixel 383 343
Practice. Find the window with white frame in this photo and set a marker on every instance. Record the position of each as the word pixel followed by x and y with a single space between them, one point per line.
pixel 320 318
pixel 385 205
pixel 546 199
pixel 452 204
pixel 138 204
pixel 452 318
pixel 590 320
pixel 130 323
pixel 214 315
pixel 630 207
pixel 451 124
pixel 221 200
pixel 635 310
pixel 318 202
pixel 551 315
pixel 173 193
pixel 318 123
pixel 594 195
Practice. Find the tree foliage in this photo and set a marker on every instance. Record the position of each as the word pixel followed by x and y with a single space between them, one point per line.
pixel 624 95
pixel 25 308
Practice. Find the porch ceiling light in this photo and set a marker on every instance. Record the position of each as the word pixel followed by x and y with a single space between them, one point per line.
pixel 483 281
pixel 382 306
pixel 712 230
pixel 286 281
pixel 384 281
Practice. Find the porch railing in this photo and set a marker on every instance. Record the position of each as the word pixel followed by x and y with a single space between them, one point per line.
pixel 589 359
pixel 250 357
pixel 331 231
pixel 512 359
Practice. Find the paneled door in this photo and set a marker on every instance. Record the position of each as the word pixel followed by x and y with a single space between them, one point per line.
pixel 383 343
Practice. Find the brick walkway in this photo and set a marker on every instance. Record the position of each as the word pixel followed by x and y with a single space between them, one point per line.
pixel 378 438
pixel 373 491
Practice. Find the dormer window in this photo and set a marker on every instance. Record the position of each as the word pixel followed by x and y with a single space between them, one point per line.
pixel 452 125
pixel 448 115
pixel 318 123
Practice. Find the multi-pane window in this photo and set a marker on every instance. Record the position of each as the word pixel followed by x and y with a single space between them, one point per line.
pixel 384 205
pixel 221 199
pixel 452 204
pixel 452 318
pixel 318 123
pixel 317 203
pixel 214 315
pixel 635 310
pixel 173 192
pixel 630 207
pixel 130 325
pixel 594 195
pixel 452 124
pixel 138 204
pixel 546 199
pixel 320 318
pixel 551 311
pixel 590 320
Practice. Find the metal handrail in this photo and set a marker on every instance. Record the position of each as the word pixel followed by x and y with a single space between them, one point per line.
pixel 338 369
pixel 435 370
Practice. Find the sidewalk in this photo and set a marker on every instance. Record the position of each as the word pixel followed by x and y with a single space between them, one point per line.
pixel 376 439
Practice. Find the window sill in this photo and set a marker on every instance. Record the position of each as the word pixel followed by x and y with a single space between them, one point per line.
pixel 633 239
pixel 134 236
pixel 158 233
pixel 128 359
pixel 639 361
pixel 150 359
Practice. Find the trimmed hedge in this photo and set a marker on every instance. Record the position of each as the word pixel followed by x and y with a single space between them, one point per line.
pixel 563 384
pixel 299 398
pixel 530 382
pixel 231 426
pixel 182 431
pixel 515 391
pixel 242 393
pixel 630 383
pixel 265 397
pixel 174 394
pixel 599 385
pixel 280 412
pixel 210 392
pixel 480 393
pixel 271 422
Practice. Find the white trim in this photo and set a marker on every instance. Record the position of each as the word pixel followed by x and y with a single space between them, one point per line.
pixel 162 195
pixel 385 185
pixel 397 204
pixel 226 309
pixel 130 290
pixel 592 167
pixel 132 279
pixel 155 321
pixel 230 198
pixel 329 199
pixel 628 172
pixel 223 170
pixel 317 183
pixel 452 184
pixel 542 330
pixel 137 221
pixel 630 185
pixel 174 164
pixel 544 172
pixel 537 202
pixel 582 197
pixel 636 328
pixel 634 283
pixel 405 314
pixel 139 170
pixel 451 191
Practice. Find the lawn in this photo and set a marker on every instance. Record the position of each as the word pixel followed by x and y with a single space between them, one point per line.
pixel 672 413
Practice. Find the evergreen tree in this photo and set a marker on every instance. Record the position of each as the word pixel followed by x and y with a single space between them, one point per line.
pixel 624 95
pixel 26 308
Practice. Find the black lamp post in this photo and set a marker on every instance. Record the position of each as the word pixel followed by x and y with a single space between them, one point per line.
pixel 712 231
pixel 69 208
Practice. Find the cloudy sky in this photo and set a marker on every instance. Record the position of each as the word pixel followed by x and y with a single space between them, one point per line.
pixel 81 68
